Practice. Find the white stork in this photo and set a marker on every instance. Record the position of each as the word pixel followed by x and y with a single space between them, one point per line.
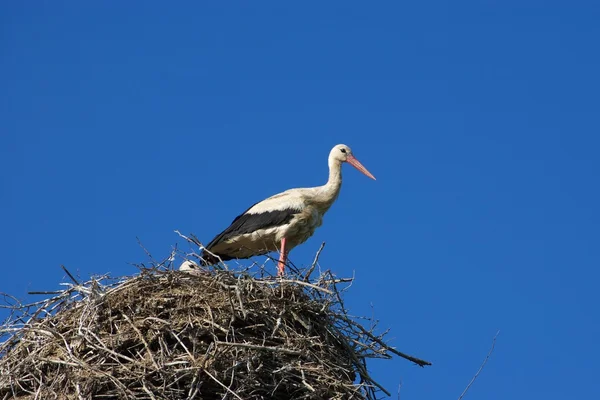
pixel 283 221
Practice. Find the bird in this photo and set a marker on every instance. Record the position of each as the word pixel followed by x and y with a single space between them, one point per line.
pixel 190 267
pixel 283 221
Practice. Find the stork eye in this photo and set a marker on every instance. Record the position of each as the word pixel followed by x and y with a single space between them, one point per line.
pixel 343 151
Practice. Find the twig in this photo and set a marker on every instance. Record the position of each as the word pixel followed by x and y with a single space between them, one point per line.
pixel 144 248
pixel 141 336
pixel 418 361
pixel 43 292
pixel 55 361
pixel 481 366
pixel 363 371
pixel 193 239
pixel 314 264
pixel 312 389
pixel 222 385
pixel 239 297
pixel 70 276
pixel 257 347
pixel 310 285
pixel 183 345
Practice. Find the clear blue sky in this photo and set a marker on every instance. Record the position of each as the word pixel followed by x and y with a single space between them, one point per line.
pixel 480 120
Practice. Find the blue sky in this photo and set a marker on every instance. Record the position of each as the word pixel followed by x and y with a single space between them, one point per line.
pixel 480 121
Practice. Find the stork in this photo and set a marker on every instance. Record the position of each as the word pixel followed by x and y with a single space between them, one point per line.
pixel 283 221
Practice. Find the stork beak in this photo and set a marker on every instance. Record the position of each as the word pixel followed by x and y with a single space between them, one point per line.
pixel 356 164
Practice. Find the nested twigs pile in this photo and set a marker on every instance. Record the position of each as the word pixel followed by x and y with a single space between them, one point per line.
pixel 213 334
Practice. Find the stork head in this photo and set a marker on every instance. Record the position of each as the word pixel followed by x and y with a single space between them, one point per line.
pixel 190 267
pixel 342 153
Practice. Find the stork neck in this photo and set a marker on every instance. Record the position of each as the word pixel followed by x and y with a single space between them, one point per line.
pixel 330 191
pixel 335 174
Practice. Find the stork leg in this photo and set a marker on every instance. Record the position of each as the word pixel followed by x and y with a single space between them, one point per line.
pixel 282 258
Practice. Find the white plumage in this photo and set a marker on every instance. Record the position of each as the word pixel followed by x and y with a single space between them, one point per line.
pixel 283 221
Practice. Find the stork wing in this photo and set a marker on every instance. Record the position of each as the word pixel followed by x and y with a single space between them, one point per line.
pixel 274 211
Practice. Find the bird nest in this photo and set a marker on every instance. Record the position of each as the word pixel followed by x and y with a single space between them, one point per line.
pixel 209 334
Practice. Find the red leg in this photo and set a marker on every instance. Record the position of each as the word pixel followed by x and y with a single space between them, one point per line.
pixel 282 258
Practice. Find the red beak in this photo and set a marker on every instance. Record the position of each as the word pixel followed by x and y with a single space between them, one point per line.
pixel 356 164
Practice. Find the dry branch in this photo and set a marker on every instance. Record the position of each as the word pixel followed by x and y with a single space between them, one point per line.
pixel 487 357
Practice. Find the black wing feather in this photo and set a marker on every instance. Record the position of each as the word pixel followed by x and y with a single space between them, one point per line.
pixel 247 223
